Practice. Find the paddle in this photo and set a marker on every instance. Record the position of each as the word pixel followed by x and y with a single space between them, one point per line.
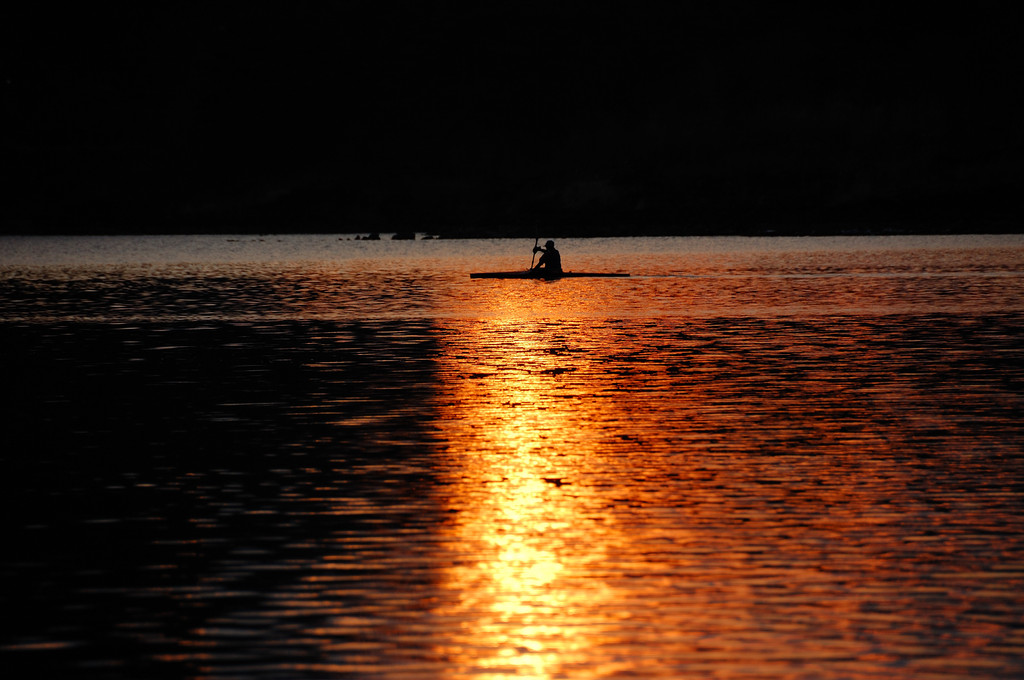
pixel 535 242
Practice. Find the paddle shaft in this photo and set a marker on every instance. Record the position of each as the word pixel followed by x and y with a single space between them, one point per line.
pixel 535 242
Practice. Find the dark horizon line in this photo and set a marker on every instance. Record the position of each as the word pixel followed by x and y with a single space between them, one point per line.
pixel 396 232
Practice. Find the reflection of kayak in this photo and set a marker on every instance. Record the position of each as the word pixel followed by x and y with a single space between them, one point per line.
pixel 531 274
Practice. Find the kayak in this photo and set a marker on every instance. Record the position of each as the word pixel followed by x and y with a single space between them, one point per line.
pixel 531 274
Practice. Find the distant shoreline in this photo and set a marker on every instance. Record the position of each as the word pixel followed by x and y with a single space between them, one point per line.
pixel 553 231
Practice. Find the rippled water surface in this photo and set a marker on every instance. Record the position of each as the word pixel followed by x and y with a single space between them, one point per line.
pixel 305 456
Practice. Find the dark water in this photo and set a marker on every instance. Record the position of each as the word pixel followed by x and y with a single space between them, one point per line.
pixel 305 457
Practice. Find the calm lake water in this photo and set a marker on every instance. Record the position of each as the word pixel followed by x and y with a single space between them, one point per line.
pixel 312 457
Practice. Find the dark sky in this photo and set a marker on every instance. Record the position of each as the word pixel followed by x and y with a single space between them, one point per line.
pixel 482 117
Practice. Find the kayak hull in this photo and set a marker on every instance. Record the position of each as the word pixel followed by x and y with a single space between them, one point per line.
pixel 530 274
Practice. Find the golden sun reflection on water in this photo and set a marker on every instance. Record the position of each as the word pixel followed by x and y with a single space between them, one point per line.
pixel 515 508
pixel 531 537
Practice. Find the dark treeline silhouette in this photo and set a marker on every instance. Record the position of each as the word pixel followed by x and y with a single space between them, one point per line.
pixel 585 118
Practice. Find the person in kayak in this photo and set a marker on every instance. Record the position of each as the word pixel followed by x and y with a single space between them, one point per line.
pixel 550 262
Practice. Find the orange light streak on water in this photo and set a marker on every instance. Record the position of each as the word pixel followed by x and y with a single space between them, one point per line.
pixel 531 535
